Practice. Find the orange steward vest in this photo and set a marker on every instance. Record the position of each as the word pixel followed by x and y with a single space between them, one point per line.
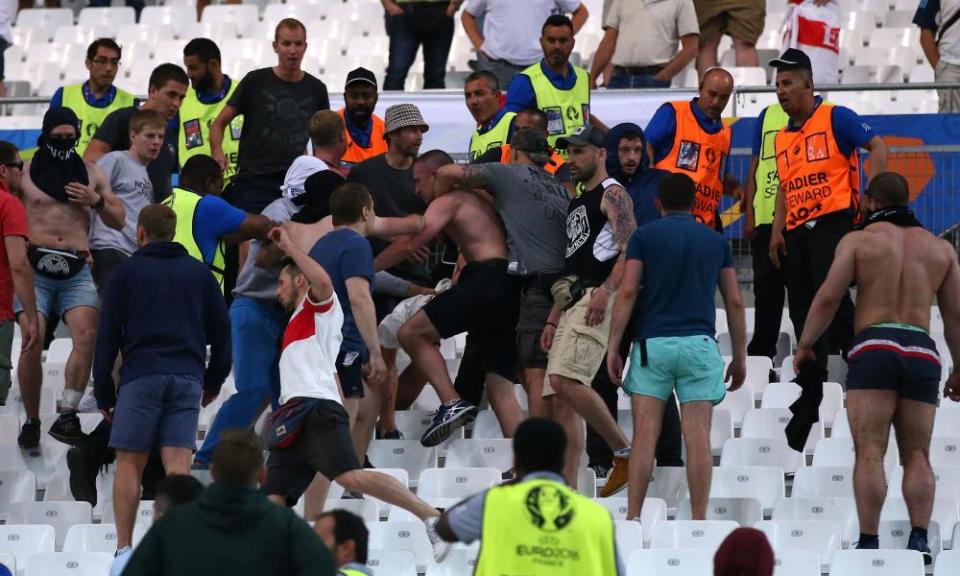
pixel 815 177
pixel 702 157
pixel 556 160
pixel 356 153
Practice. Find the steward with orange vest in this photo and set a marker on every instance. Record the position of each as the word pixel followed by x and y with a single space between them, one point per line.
pixel 690 138
pixel 818 200
pixel 362 129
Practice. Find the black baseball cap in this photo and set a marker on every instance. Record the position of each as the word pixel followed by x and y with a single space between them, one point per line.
pixel 792 59
pixel 586 136
pixel 361 75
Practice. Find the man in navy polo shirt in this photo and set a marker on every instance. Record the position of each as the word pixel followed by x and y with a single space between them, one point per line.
pixel 680 263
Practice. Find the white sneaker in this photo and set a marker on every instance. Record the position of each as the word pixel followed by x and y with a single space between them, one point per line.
pixel 440 547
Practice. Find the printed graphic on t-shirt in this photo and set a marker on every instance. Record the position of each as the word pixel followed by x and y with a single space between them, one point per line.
pixel 578 229
pixel 192 134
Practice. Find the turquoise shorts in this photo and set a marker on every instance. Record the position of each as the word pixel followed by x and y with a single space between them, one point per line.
pixel 691 365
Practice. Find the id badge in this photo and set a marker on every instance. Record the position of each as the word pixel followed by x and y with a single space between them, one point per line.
pixel 554 120
pixel 236 127
pixel 192 134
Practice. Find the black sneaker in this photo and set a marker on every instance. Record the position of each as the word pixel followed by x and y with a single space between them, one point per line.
pixel 67 429
pixel 448 418
pixel 83 477
pixel 918 542
pixel 29 434
pixel 392 435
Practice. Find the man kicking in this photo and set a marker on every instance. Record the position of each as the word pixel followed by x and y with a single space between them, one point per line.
pixel 484 303
pixel 308 375
pixel 894 368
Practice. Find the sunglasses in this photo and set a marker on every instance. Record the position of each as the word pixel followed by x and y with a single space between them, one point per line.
pixel 17 165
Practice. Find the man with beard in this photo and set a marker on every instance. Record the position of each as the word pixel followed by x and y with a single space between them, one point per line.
pixel 61 192
pixel 628 163
pixel 210 90
pixel 167 87
pixel 276 103
pixel 362 129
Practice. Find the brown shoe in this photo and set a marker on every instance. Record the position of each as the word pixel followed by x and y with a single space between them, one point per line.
pixel 617 479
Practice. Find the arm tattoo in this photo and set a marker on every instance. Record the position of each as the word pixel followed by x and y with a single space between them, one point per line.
pixel 620 213
pixel 474 177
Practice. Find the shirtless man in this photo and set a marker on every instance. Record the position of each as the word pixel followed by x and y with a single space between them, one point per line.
pixel 60 192
pixel 484 303
pixel 894 366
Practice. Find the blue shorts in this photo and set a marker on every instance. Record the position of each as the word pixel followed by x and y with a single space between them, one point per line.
pixel 157 410
pixel 56 297
pixel 900 359
pixel 691 365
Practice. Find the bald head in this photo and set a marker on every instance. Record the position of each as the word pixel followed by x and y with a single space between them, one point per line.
pixel 715 89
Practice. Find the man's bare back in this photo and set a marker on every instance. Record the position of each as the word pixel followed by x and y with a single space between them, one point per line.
pixel 898 273
pixel 54 224
pixel 471 223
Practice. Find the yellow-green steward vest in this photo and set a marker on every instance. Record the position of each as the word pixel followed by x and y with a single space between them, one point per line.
pixel 496 136
pixel 184 204
pixel 194 137
pixel 91 117
pixel 766 179
pixel 566 110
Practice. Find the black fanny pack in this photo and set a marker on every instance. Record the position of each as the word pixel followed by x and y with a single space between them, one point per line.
pixel 285 425
pixel 55 263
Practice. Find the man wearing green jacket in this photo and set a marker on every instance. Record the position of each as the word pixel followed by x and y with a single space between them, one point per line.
pixel 232 529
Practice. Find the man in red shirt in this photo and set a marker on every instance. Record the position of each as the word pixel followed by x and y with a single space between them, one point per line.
pixel 16 274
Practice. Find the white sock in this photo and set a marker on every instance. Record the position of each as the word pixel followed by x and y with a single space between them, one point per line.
pixel 622 453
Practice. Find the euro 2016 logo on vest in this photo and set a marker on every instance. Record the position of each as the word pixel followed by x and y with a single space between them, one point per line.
pixel 572 113
pixel 711 156
pixel 550 509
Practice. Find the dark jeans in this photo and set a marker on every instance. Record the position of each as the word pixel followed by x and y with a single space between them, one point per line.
pixel 620 81
pixel 669 445
pixel 503 70
pixel 769 292
pixel 421 24
pixel 105 261
pixel 810 252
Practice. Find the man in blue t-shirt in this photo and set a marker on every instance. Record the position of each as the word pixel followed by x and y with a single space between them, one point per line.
pixel 347 257
pixel 681 264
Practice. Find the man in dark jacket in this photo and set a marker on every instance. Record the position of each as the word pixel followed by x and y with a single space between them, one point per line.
pixel 627 161
pixel 161 309
pixel 232 529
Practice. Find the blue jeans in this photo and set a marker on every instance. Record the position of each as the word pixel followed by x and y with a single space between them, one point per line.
pixel 256 327
pixel 425 24
pixel 621 81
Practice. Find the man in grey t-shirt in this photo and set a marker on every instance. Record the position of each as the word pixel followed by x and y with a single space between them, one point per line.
pixel 533 206
pixel 130 182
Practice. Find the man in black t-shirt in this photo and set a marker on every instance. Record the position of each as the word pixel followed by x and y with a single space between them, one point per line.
pixel 276 104
pixel 168 86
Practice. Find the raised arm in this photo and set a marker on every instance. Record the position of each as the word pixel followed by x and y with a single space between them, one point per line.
pixel 253 227
pixel 216 134
pixel 321 287
pixel 828 298
pixel 111 210
pixel 878 155
pixel 388 228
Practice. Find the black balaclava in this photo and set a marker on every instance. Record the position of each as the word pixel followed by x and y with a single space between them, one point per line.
pixel 56 162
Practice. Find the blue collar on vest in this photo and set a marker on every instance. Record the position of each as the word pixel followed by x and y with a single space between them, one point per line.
pixel 544 475
pixel 360 134
pixel 560 82
pixel 709 125
pixel 101 102
pixel 488 126
pixel 214 97
pixel 817 101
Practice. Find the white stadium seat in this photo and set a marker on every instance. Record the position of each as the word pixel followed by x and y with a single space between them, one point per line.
pixel 824 481
pixel 23 541
pixel 691 534
pixel 761 482
pixel 144 513
pixel 670 562
pixel 368 509
pixel 110 17
pixel 743 511
pixel 243 16
pixel 840 511
pixel 407 536
pixel 173 16
pixel 60 515
pixel 653 511
pixel 877 563
pixel 489 453
pixel 456 482
pixel 947 478
pixel 738 403
pixel 761 452
pixel 45 19
pixel 945 513
pixel 947 421
pixel 721 429
pixel 948 563
pixel 629 537
pixel 406 454
pixel 16 486
pixel 783 394
pixel 69 564
pixel 98 537
pixel 772 422
pixel 821 537
pixel 789 562
pixel 399 562
pixel 460 562
pixel 895 533
pixel 669 484
pixel 838 451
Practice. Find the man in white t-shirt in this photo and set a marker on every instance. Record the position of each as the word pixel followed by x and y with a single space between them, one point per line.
pixel 308 373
